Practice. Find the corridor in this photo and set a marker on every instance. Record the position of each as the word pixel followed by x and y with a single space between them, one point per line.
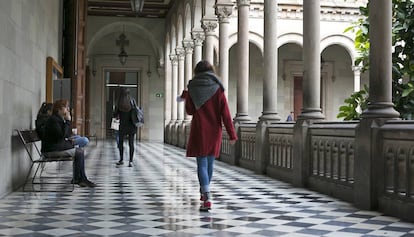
pixel 159 197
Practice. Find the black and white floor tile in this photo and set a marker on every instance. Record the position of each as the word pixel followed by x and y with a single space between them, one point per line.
pixel 159 196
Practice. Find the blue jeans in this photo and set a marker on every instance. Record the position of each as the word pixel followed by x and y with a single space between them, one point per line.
pixel 205 165
pixel 79 141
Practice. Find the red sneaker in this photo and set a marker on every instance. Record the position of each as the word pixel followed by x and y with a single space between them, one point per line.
pixel 205 206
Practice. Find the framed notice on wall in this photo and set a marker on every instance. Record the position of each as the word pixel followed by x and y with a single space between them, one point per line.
pixel 54 75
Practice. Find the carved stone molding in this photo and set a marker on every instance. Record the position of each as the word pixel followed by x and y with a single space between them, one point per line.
pixel 223 11
pixel 198 36
pixel 209 25
pixel 174 59
pixel 179 51
pixel 188 46
pixel 243 3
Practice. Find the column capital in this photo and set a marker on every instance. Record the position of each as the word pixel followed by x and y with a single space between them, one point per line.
pixel 209 25
pixel 223 11
pixel 198 36
pixel 243 3
pixel 188 46
pixel 174 59
pixel 179 51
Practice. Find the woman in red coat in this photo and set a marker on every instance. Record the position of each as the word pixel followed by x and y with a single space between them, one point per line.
pixel 206 102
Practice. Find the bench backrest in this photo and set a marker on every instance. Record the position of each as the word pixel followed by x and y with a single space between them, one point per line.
pixel 28 138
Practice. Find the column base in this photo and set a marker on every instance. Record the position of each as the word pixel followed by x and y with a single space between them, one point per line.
pixel 311 113
pixel 380 110
pixel 270 117
pixel 242 118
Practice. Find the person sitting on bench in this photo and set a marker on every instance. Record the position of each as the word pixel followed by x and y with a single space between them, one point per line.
pixel 56 141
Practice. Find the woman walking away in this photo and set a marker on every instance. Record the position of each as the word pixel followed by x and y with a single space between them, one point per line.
pixel 126 127
pixel 205 100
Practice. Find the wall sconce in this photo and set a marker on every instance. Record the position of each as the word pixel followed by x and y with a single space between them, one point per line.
pixel 149 73
pixel 122 42
pixel 122 57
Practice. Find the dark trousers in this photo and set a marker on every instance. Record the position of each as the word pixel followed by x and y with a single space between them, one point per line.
pixel 131 137
pixel 79 166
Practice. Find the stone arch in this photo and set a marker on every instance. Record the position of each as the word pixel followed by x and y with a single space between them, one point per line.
pixel 254 38
pixel 180 30
pixel 294 38
pixel 197 14
pixel 341 40
pixel 173 39
pixel 130 27
pixel 187 21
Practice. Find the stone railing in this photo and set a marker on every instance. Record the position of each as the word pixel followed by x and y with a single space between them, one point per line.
pixel 247 146
pixel 368 163
pixel 396 168
pixel 331 158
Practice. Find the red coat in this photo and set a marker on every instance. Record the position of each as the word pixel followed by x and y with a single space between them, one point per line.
pixel 206 125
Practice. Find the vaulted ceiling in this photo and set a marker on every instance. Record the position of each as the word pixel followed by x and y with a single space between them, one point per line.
pixel 126 8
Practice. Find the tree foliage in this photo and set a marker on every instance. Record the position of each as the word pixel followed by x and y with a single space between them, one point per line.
pixel 402 56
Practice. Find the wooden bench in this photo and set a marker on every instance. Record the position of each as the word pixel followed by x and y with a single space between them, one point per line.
pixel 30 139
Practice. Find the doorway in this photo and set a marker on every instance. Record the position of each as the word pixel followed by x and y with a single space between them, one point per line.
pixel 297 96
pixel 113 81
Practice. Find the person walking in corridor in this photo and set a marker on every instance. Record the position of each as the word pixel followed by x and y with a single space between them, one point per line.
pixel 126 126
pixel 206 102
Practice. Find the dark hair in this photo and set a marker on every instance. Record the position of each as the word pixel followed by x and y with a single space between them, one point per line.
pixel 59 104
pixel 203 66
pixel 44 108
pixel 124 100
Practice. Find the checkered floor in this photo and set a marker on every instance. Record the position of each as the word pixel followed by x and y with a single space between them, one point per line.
pixel 159 197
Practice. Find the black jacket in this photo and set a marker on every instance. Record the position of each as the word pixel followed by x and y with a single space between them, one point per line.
pixel 125 121
pixel 57 132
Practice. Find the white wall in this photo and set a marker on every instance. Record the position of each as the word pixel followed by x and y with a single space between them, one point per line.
pixel 29 34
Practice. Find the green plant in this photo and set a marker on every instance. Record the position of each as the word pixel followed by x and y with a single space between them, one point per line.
pixel 355 104
pixel 402 56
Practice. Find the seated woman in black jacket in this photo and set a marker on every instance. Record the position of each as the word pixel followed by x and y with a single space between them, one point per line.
pixel 56 141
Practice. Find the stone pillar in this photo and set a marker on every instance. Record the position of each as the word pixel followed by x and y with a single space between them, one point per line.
pixel 270 62
pixel 243 63
pixel 224 9
pixel 357 78
pixel 174 85
pixel 367 166
pixel 209 25
pixel 312 61
pixel 269 113
pixel 179 51
pixel 188 45
pixel 380 61
pixel 188 69
pixel 198 37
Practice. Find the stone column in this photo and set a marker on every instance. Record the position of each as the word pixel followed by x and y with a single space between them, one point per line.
pixel 269 113
pixel 188 48
pixel 209 25
pixel 224 9
pixel 312 61
pixel 174 72
pixel 179 51
pixel 198 38
pixel 368 167
pixel 380 61
pixel 174 76
pixel 357 77
pixel 270 62
pixel 243 61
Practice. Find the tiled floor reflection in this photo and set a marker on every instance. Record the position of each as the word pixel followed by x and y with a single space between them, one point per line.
pixel 159 197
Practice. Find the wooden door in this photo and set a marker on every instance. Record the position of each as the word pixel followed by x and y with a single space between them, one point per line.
pixel 297 96
pixel 75 13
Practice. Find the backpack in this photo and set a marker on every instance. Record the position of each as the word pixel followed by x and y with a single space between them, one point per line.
pixel 41 119
pixel 137 115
